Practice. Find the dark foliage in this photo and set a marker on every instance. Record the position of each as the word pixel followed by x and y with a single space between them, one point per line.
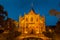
pixel 1 31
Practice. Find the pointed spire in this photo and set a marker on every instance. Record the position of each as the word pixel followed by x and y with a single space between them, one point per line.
pixel 32 5
pixel 43 15
pixel 32 12
pixel 24 13
pixel 20 16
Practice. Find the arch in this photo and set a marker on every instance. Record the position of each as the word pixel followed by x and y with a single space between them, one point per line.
pixel 32 38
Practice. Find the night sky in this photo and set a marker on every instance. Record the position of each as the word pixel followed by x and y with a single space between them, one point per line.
pixel 15 8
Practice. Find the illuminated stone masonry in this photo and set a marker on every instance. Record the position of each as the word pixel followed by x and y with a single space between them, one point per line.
pixel 32 25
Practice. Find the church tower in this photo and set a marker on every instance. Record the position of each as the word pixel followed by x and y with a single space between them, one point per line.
pixel 32 25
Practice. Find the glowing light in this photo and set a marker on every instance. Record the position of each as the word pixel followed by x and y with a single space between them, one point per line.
pixel 37 32
pixel 50 30
pixel 26 32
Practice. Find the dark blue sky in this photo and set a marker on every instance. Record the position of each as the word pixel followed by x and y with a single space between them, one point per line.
pixel 18 7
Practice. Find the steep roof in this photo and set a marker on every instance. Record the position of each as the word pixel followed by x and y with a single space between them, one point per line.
pixel 32 12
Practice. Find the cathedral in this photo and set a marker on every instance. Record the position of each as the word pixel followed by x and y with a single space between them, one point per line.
pixel 32 26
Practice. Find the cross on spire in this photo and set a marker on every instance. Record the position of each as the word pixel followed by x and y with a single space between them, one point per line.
pixel 32 5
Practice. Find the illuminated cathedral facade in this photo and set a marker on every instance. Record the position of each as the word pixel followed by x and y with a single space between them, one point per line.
pixel 32 25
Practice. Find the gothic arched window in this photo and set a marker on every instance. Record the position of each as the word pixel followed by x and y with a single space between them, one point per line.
pixel 31 18
pixel 26 19
pixel 37 19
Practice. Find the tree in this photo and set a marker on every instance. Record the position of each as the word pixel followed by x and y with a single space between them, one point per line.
pixel 1 8
pixel 3 13
pixel 53 12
